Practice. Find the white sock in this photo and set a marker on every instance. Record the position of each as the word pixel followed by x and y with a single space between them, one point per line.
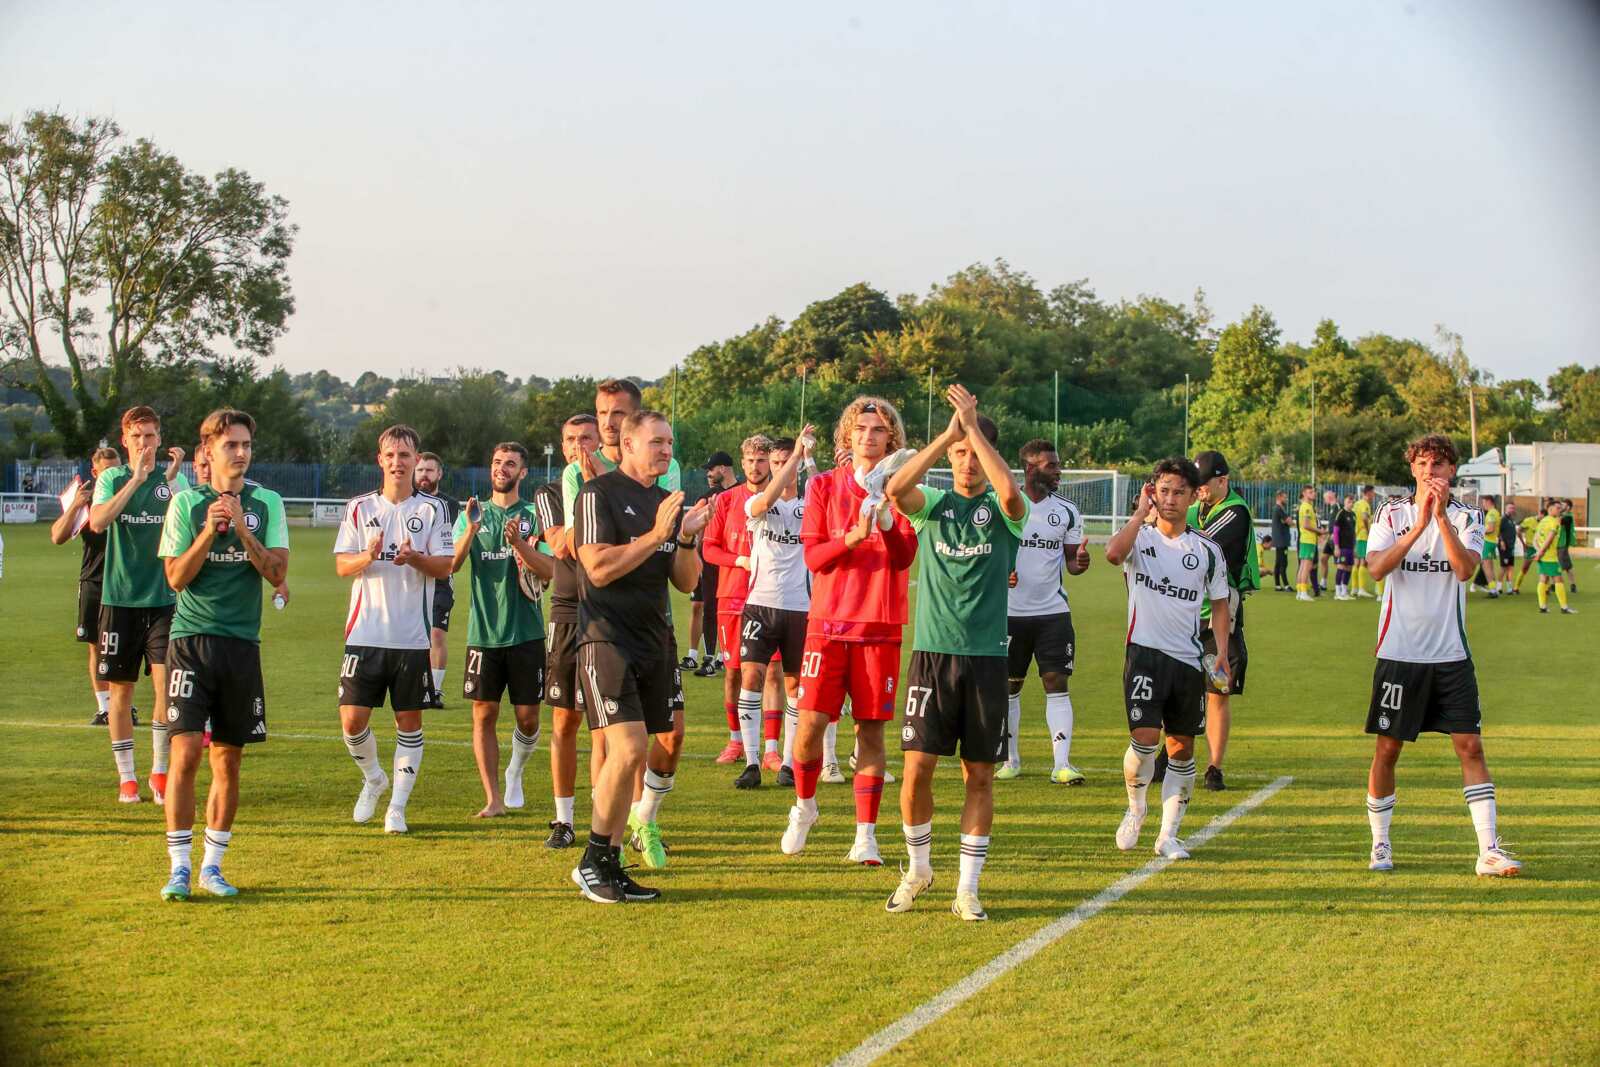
pixel 1176 788
pixel 656 787
pixel 1480 803
pixel 693 656
pixel 830 744
pixel 808 805
pixel 363 748
pixel 1058 716
pixel 1138 767
pixel 750 725
pixel 791 723
pixel 160 745
pixel 919 842
pixel 564 810
pixel 1014 724
pixel 866 832
pixel 770 744
pixel 1380 810
pixel 522 746
pixel 974 850
pixel 438 681
pixel 179 845
pixel 122 752
pixel 102 698
pixel 407 762
pixel 216 847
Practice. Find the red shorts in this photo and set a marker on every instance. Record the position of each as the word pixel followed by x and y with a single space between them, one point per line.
pixel 868 674
pixel 729 637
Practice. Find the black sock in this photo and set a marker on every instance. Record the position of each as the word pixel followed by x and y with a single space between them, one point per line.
pixel 599 847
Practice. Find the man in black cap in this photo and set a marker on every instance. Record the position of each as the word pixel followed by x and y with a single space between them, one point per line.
pixel 703 601
pixel 1223 516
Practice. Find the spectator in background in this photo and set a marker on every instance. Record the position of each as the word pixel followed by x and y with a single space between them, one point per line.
pixel 1343 539
pixel 703 601
pixel 1564 542
pixel 1325 517
pixel 1281 542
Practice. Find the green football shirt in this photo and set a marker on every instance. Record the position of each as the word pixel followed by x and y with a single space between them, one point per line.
pixel 967 549
pixel 224 600
pixel 500 616
pixel 134 577
pixel 572 479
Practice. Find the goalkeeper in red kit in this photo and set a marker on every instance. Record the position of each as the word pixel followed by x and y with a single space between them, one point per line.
pixel 859 551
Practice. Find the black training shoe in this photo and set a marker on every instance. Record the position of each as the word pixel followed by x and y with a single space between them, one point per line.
pixel 1214 779
pixel 688 663
pixel 1161 766
pixel 561 836
pixel 786 777
pixel 631 891
pixel 135 713
pixel 708 669
pixel 749 778
pixel 101 718
pixel 595 880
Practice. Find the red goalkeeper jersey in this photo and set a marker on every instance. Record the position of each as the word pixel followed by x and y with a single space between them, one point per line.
pixel 856 594
pixel 727 537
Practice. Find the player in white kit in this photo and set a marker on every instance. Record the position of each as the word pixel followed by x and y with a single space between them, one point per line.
pixel 1428 547
pixel 1038 617
pixel 396 545
pixel 1170 568
pixel 779 597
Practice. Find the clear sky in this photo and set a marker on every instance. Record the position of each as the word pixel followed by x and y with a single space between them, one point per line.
pixel 599 188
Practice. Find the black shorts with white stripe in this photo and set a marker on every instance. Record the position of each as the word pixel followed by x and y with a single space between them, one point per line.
pixel 619 687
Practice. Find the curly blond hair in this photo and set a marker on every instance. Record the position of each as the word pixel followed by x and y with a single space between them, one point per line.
pixel 847 422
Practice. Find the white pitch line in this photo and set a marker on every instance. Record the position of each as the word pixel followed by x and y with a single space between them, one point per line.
pixel 933 1010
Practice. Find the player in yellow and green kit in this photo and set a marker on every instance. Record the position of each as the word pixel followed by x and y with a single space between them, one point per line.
pixel 1491 527
pixel 1527 531
pixel 1363 509
pixel 1306 521
pixel 1545 538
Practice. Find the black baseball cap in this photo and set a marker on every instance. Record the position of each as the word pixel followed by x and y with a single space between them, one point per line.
pixel 1211 464
pixel 719 459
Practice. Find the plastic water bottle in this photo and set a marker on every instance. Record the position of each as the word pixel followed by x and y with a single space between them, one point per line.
pixel 278 601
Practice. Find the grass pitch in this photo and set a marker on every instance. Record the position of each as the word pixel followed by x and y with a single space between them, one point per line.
pixel 465 942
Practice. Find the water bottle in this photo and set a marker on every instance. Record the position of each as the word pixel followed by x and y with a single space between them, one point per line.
pixel 278 601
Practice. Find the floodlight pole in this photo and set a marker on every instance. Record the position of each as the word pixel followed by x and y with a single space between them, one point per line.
pixel 674 419
pixel 1056 440
pixel 1313 430
pixel 930 405
pixel 1186 414
pixel 802 396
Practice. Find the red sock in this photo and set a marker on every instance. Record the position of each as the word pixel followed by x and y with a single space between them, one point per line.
pixel 869 794
pixel 806 773
pixel 771 724
pixel 733 716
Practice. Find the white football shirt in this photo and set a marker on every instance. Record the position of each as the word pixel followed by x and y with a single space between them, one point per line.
pixel 1053 526
pixel 778 575
pixel 1167 580
pixel 1422 617
pixel 392 606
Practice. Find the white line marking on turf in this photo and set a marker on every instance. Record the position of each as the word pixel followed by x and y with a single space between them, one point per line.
pixel 933 1010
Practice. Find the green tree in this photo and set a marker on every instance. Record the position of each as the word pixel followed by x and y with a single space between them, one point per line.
pixel 1247 373
pixel 1576 392
pixel 124 259
pixel 461 419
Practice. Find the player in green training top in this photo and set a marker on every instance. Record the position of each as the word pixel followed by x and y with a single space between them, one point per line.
pixel 129 506
pixel 505 628
pixel 957 688
pixel 220 541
